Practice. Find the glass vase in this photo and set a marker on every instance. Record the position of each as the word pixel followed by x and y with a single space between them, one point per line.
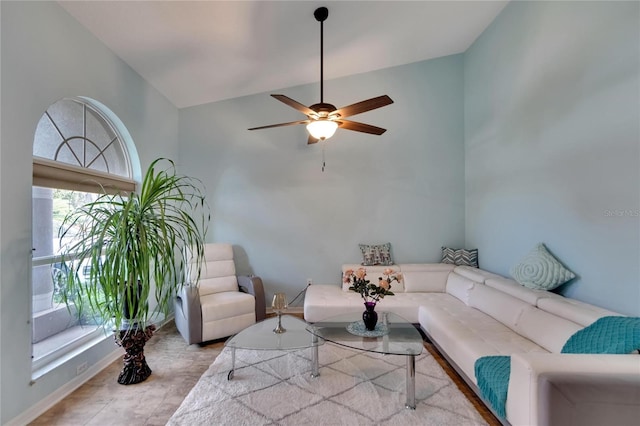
pixel 370 316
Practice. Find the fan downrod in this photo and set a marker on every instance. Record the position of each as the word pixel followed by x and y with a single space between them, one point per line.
pixel 321 14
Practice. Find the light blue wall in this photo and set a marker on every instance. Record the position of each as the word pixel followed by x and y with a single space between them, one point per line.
pixel 47 55
pixel 271 199
pixel 552 110
pixel 535 136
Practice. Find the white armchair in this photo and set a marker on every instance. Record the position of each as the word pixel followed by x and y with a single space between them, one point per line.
pixel 220 304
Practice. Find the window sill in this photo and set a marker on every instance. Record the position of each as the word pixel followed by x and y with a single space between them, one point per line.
pixel 50 354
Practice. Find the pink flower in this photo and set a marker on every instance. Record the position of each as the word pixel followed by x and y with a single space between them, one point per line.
pixel 361 273
pixel 383 284
pixel 388 271
pixel 398 277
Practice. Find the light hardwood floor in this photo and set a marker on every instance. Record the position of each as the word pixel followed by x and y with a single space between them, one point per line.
pixel 176 369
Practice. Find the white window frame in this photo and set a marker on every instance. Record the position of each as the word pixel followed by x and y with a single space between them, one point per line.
pixel 53 174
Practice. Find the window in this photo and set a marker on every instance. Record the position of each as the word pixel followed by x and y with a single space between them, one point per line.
pixel 78 153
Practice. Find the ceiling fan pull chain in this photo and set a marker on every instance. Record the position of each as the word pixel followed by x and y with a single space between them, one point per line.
pixel 324 143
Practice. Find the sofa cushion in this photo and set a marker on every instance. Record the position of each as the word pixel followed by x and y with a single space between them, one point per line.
pixel 407 305
pixel 573 310
pixel 217 272
pixel 425 277
pixel 376 254
pixel 325 301
pixel 466 334
pixel 460 256
pixel 459 287
pixel 540 270
pixel 226 326
pixel 504 308
pixel 547 330
pixel 475 274
pixel 214 285
pixel 229 304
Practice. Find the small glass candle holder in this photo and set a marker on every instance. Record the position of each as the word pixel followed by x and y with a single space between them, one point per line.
pixel 279 304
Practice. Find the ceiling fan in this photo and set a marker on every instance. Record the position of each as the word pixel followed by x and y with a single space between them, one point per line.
pixel 323 118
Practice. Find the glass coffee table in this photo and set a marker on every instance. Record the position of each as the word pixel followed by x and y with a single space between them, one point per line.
pixel 260 336
pixel 394 336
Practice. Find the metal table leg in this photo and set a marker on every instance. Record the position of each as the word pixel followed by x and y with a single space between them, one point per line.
pixel 411 382
pixel 233 364
pixel 314 356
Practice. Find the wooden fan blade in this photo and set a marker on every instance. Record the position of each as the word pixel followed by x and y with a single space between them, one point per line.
pixel 295 104
pixel 312 140
pixel 291 123
pixel 361 127
pixel 364 106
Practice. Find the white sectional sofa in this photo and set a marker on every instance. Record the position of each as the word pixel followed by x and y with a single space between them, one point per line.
pixel 469 313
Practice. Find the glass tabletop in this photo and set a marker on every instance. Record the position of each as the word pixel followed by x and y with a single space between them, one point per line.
pixel 402 337
pixel 260 336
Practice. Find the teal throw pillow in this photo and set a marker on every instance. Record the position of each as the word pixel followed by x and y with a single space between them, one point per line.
pixel 539 270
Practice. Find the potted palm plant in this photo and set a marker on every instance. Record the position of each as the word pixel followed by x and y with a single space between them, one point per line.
pixel 124 249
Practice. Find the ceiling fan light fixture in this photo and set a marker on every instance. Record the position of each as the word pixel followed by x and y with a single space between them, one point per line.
pixel 322 129
pixel 323 118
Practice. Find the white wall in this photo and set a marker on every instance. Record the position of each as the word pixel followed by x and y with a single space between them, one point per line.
pixel 552 144
pixel 47 55
pixel 270 198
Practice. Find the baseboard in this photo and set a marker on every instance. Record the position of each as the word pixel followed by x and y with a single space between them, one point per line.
pixel 63 391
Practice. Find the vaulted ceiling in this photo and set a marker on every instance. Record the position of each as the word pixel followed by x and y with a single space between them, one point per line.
pixel 195 52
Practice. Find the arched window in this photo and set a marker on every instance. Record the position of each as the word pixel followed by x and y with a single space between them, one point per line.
pixel 78 152
pixel 77 147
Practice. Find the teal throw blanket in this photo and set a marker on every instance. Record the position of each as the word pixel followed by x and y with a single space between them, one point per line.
pixel 492 374
pixel 608 335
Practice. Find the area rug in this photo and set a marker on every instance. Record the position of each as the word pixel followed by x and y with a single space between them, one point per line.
pixel 354 388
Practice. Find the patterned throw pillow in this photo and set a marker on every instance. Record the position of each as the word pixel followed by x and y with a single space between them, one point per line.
pixel 379 254
pixel 460 257
pixel 539 270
